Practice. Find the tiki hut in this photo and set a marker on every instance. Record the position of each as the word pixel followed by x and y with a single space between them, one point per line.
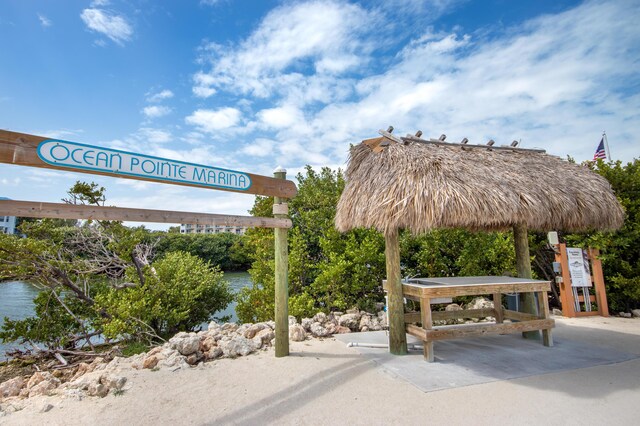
pixel 412 183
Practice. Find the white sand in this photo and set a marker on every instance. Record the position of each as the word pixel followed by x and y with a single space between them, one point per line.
pixel 324 382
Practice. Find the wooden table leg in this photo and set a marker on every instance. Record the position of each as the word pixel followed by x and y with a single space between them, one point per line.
pixel 547 337
pixel 427 324
pixel 497 306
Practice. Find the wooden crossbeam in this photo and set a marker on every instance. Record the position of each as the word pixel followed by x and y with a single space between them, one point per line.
pixel 76 211
pixel 23 149
pixel 411 138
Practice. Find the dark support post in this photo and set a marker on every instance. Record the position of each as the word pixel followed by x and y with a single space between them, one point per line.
pixel 523 266
pixel 395 305
pixel 281 268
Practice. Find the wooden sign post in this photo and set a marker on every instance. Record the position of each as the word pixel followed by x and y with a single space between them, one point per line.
pixel 280 211
pixel 37 151
pixel 566 291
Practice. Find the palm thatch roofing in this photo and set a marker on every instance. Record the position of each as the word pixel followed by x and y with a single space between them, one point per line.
pixel 413 184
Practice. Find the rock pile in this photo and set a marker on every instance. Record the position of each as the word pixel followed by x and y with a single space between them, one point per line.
pixel 184 350
pixel 97 378
pixel 231 340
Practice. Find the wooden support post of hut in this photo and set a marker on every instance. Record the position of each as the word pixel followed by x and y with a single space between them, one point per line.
pixel 280 210
pixel 523 266
pixel 395 304
pixel 420 184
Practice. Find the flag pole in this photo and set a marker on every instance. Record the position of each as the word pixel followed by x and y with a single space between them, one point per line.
pixel 606 144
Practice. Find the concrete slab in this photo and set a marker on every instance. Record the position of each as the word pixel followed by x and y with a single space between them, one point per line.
pixel 465 362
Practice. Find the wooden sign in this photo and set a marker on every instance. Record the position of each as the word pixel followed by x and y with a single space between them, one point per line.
pixel 578 267
pixel 37 151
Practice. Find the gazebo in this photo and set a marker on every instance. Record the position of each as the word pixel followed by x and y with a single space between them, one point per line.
pixel 420 184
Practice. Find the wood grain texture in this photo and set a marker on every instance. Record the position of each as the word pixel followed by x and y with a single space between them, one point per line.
pixel 21 149
pixel 473 330
pixel 76 211
pixel 281 280
pixel 397 335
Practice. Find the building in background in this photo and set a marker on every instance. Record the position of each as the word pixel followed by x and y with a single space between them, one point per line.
pixel 187 228
pixel 7 223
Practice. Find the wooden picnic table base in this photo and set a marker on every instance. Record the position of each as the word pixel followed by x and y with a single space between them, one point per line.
pixel 427 289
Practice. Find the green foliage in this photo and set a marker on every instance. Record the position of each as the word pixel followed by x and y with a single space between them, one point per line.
pixel 456 252
pixel 179 292
pixel 86 193
pixel 134 347
pixel 51 325
pixel 99 278
pixel 225 250
pixel 327 270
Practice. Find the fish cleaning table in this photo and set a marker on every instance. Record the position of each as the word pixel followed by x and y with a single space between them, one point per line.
pixel 425 290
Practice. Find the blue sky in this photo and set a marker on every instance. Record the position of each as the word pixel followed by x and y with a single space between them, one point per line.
pixel 250 85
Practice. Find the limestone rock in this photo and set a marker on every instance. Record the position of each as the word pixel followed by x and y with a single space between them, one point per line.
pixel 229 327
pixel 11 387
pixel 185 343
pixel 342 330
pixel 44 387
pixel 75 394
pixel 382 318
pixel 350 321
pixel 83 368
pixel 207 343
pixel 264 337
pixel 97 389
pixel 84 381
pixel 320 317
pixel 46 408
pixel 317 330
pixel 292 320
pixel 625 314
pixel 480 303
pixel 453 307
pixel 306 323
pixel 297 333
pixel 556 312
pixel 251 332
pixel 635 313
pixel 152 361
pixel 213 353
pixel 238 346
pixel 112 381
pixel 36 378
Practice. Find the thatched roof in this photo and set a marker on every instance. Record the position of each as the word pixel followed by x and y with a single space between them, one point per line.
pixel 422 186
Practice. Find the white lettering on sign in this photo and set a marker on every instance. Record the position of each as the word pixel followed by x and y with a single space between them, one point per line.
pixel 86 157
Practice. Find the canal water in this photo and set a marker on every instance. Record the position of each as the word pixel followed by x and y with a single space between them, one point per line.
pixel 16 302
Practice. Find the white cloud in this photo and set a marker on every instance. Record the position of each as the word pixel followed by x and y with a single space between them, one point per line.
pixel 111 25
pixel 203 91
pixel 280 117
pixel 154 136
pixel 155 111
pixel 259 148
pixel 44 21
pixel 318 36
pixel 211 121
pixel 159 96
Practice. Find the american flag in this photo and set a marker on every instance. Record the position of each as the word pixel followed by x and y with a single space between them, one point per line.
pixel 600 153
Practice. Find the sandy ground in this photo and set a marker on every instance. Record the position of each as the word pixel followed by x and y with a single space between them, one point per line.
pixel 325 382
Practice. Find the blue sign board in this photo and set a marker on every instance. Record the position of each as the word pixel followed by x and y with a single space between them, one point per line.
pixel 94 158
